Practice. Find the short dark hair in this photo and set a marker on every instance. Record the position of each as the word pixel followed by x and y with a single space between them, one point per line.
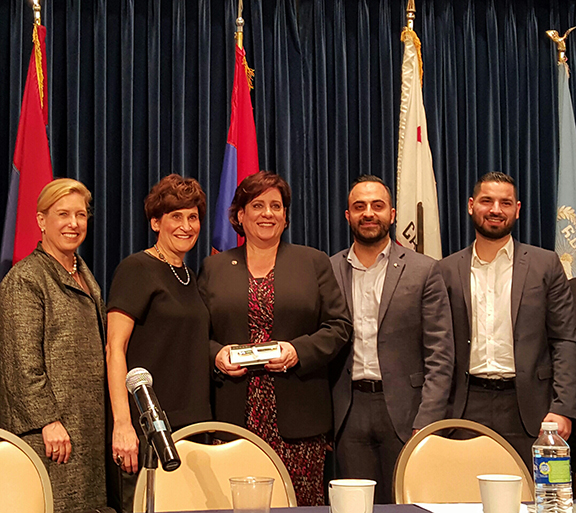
pixel 175 192
pixel 251 187
pixel 371 178
pixel 494 176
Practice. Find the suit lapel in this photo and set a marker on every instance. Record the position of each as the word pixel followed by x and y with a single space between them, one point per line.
pixel 345 270
pixel 464 272
pixel 395 268
pixel 519 273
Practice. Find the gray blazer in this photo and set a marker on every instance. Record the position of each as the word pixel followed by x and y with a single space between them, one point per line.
pixel 52 368
pixel 544 325
pixel 415 343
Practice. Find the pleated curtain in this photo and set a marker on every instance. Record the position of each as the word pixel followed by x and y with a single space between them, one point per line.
pixel 141 88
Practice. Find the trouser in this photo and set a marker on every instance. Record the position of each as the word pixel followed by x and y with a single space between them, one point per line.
pixel 498 410
pixel 368 446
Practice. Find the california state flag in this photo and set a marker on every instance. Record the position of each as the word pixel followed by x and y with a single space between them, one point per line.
pixel 415 179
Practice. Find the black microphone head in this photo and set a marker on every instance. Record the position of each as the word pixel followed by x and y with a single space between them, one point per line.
pixel 136 378
pixel 171 460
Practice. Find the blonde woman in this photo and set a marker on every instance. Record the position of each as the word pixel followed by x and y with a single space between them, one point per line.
pixel 51 351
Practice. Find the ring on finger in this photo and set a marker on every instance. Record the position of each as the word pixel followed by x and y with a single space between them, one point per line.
pixel 55 451
pixel 284 369
pixel 119 460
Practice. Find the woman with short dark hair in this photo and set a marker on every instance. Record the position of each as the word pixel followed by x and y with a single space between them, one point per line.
pixel 157 320
pixel 268 290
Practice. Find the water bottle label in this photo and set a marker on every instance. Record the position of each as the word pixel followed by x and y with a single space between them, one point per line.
pixel 551 470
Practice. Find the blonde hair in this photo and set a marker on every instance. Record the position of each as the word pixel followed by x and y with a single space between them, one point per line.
pixel 59 188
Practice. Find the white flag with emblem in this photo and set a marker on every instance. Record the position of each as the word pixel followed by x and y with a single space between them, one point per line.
pixel 415 175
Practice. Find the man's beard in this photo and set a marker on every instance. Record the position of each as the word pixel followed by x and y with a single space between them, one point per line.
pixel 496 233
pixel 373 237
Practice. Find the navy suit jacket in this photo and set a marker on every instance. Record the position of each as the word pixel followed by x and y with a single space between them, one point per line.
pixel 544 327
pixel 415 343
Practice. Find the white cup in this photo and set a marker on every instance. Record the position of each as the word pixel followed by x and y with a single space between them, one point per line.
pixel 500 493
pixel 251 494
pixel 351 495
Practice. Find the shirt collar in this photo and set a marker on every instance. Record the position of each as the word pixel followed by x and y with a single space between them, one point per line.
pixel 507 250
pixel 356 264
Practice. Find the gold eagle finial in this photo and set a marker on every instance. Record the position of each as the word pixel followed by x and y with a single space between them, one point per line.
pixel 560 43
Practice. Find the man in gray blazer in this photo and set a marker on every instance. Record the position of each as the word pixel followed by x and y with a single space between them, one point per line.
pixel 395 378
pixel 514 325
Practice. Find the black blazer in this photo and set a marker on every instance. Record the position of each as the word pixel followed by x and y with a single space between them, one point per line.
pixel 309 312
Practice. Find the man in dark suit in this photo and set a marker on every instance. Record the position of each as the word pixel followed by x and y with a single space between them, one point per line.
pixel 396 377
pixel 514 325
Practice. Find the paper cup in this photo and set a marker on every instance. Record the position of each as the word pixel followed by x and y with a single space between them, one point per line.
pixel 500 493
pixel 351 495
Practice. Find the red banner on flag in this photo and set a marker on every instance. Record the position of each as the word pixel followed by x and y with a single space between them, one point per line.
pixel 32 168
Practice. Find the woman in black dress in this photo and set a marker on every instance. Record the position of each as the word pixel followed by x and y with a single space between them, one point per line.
pixel 157 320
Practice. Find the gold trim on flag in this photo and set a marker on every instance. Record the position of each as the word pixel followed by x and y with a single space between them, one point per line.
pixel 38 59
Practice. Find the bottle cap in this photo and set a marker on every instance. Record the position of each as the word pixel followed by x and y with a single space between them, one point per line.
pixel 549 426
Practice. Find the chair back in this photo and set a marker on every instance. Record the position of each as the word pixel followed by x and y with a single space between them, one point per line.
pixel 24 482
pixel 202 480
pixel 434 469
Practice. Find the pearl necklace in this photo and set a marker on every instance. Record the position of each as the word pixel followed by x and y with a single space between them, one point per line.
pixel 74 267
pixel 163 258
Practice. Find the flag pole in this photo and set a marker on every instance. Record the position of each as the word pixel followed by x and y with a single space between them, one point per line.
pixel 37 12
pixel 410 18
pixel 565 241
pixel 410 15
pixel 239 35
pixel 417 218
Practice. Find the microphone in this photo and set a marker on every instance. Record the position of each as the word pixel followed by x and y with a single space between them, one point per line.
pixel 152 418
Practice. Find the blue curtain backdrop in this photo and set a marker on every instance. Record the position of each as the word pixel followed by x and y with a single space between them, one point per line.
pixel 141 88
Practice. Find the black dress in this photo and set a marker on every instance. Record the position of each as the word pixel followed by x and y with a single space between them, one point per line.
pixel 170 338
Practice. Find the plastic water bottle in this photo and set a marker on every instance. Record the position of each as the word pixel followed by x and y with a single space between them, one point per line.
pixel 552 476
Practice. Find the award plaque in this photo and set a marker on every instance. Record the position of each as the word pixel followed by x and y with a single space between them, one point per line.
pixel 247 355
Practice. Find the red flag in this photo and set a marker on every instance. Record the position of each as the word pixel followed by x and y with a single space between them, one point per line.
pixel 241 155
pixel 32 168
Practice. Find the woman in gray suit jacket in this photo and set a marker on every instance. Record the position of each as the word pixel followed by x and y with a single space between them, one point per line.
pixel 269 290
pixel 52 352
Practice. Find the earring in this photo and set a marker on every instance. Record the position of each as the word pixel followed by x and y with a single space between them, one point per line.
pixel 240 225
pixel 42 230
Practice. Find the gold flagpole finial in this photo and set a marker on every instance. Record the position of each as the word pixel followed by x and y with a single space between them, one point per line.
pixel 410 15
pixel 239 35
pixel 37 11
pixel 239 31
pixel 560 43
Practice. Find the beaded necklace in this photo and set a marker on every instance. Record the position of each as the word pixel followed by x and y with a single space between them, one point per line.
pixel 163 259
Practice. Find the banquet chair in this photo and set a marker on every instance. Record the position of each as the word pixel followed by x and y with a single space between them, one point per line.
pixel 202 480
pixel 24 482
pixel 434 469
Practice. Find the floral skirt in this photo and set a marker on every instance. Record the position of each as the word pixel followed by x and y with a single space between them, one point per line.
pixel 303 457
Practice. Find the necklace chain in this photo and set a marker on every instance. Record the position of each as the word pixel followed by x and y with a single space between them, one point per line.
pixel 163 258
pixel 74 267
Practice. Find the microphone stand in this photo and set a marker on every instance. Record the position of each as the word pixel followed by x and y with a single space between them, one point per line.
pixel 150 461
pixel 150 465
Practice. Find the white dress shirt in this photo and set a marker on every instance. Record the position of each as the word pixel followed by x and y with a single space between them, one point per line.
pixel 367 285
pixel 492 342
